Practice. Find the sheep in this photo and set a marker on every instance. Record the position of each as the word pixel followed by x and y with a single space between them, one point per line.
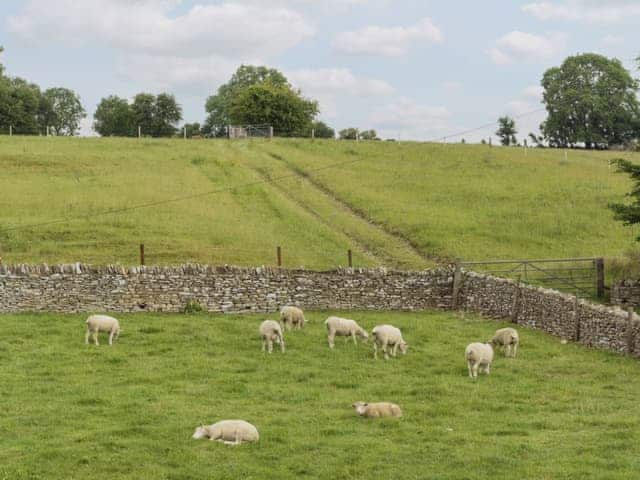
pixel 230 432
pixel 101 323
pixel 478 355
pixel 508 339
pixel 292 317
pixel 376 410
pixel 271 332
pixel 343 327
pixel 388 335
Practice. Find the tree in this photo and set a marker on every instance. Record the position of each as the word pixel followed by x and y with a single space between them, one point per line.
pixel 156 116
pixel 192 129
pixel 277 105
pixel 369 135
pixel 537 140
pixel 19 105
pixel 257 95
pixel 63 110
pixel 628 214
pixel 348 134
pixel 590 99
pixel 322 130
pixel 166 114
pixel 507 131
pixel 114 117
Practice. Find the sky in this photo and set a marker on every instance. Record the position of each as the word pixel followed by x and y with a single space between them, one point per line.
pixel 410 69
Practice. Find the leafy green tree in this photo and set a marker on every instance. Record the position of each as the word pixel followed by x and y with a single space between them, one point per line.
pixel 348 134
pixel 590 99
pixel 114 117
pixel 192 129
pixel 507 131
pixel 19 105
pixel 157 116
pixel 369 135
pixel 259 95
pixel 277 105
pixel 628 214
pixel 64 110
pixel 322 130
pixel 143 109
pixel 167 113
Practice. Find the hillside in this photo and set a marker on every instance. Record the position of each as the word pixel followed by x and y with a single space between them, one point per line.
pixel 404 205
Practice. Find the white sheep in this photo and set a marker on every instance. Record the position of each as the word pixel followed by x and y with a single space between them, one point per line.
pixel 508 339
pixel 271 332
pixel 101 323
pixel 478 356
pixel 292 317
pixel 388 336
pixel 230 432
pixel 343 327
pixel 376 410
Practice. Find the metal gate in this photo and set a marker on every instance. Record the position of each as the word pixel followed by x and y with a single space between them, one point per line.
pixel 583 277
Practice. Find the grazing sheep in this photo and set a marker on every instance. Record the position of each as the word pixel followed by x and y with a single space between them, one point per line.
pixel 343 327
pixel 271 332
pixel 388 336
pixel 230 432
pixel 102 323
pixel 376 410
pixel 508 339
pixel 292 317
pixel 478 355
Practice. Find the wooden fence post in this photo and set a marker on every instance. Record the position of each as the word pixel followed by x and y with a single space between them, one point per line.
pixel 630 335
pixel 516 301
pixel 457 281
pixel 279 256
pixel 142 254
pixel 349 255
pixel 599 264
pixel 576 317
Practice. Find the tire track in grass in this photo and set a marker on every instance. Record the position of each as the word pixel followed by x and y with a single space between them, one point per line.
pixel 356 212
pixel 391 250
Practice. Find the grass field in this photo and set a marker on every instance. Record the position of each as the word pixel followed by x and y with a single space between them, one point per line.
pixel 404 205
pixel 71 411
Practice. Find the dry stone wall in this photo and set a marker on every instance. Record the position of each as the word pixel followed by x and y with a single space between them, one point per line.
pixel 626 293
pixel 82 288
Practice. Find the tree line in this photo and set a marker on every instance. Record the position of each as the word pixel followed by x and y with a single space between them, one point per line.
pixel 591 101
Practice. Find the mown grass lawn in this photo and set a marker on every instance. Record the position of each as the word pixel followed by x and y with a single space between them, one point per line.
pixel 71 411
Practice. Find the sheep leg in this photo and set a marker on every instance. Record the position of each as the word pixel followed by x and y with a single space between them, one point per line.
pixel 469 367
pixel 375 350
pixel 95 337
pixel 355 340
pixel 330 338
pixel 264 344
pixel 86 336
pixel 515 350
pixel 384 349
pixel 475 370
pixel 111 337
pixel 486 369
pixel 394 351
pixel 282 344
pixel 270 345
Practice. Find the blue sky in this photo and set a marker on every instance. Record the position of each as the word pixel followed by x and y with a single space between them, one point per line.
pixel 410 69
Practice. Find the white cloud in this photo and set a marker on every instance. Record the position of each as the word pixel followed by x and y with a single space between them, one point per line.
pixel 521 46
pixel 533 92
pixel 387 41
pixel 145 26
pixel 328 85
pixel 453 86
pixel 612 40
pixel 588 11
pixel 410 120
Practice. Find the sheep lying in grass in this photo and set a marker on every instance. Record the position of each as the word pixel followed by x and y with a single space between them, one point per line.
pixel 508 339
pixel 102 323
pixel 230 432
pixel 478 356
pixel 271 332
pixel 292 317
pixel 388 336
pixel 343 327
pixel 376 410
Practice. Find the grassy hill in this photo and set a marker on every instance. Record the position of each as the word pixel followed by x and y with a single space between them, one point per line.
pixel 404 205
pixel 128 411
